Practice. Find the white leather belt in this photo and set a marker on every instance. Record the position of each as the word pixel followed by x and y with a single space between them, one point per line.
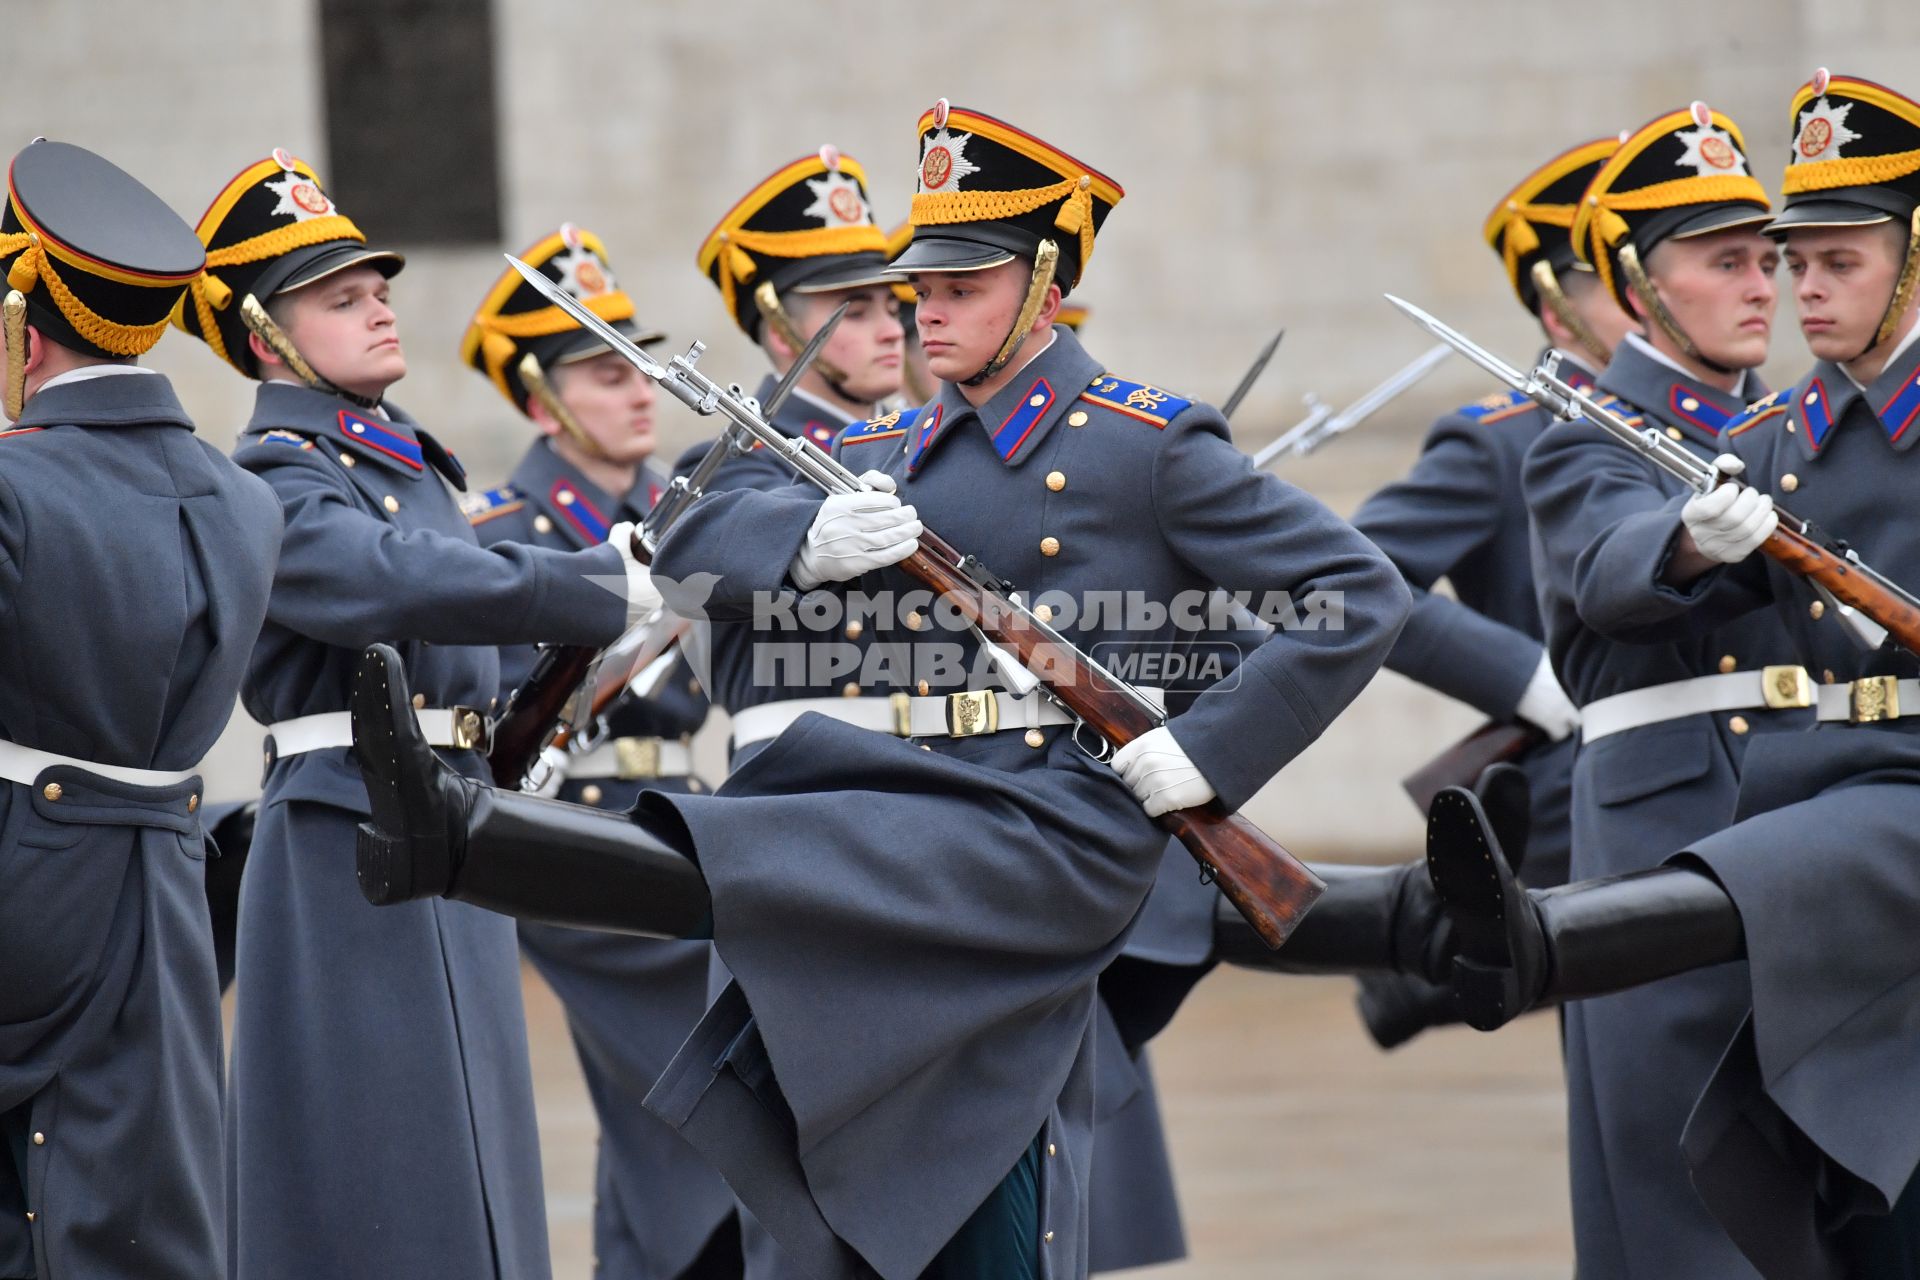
pixel 1768 689
pixel 1870 700
pixel 459 728
pixel 24 764
pixel 956 715
pixel 632 759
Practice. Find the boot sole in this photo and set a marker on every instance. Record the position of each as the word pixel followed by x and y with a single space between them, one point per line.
pixel 1464 861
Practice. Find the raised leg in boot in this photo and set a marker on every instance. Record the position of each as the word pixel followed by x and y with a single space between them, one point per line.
pixel 1521 948
pixel 436 832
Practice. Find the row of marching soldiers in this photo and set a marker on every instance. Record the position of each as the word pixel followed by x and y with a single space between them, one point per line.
pixel 892 1015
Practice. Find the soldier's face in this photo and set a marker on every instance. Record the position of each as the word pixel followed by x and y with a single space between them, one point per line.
pixel 345 329
pixel 611 400
pixel 1720 289
pixel 1843 278
pixel 868 347
pixel 964 316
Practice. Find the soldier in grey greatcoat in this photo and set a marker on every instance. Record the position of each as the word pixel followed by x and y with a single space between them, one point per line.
pixel 135 563
pixel 386 1049
pixel 916 887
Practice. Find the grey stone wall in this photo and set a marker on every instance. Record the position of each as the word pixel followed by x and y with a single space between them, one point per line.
pixel 1286 162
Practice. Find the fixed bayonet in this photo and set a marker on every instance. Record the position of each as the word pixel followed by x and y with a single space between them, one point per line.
pixel 1322 424
pixel 791 378
pixel 1251 376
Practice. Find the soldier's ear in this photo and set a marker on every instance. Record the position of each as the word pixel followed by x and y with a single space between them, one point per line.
pixel 263 355
pixel 1049 308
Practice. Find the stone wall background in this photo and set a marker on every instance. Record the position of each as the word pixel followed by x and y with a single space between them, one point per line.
pixel 1287 161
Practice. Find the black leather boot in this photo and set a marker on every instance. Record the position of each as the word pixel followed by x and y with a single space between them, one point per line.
pixel 1521 948
pixel 1396 1007
pixel 436 832
pixel 1369 919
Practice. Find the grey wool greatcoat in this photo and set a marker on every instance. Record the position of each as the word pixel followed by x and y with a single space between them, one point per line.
pixel 1636 1061
pixel 380 1107
pixel 1459 514
pixel 915 934
pixel 135 563
pixel 1808 1130
pixel 630 1002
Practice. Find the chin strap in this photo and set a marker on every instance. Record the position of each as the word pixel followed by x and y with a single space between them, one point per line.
pixel 534 378
pixel 13 315
pixel 1649 298
pixel 1903 290
pixel 767 298
pixel 1045 261
pixel 1548 286
pixel 262 326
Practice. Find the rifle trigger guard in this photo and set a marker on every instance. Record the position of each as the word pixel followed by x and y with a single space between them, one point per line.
pixel 590 735
pixel 1102 752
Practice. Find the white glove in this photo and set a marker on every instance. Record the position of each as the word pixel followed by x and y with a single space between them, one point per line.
pixel 642 598
pixel 1156 769
pixel 1546 706
pixel 856 533
pixel 1729 524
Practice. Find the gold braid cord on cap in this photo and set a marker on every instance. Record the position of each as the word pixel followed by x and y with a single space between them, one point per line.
pixel 534 378
pixel 1045 260
pixel 262 326
pixel 210 294
pixel 1548 286
pixel 13 314
pixel 935 208
pixel 35 266
pixel 1518 238
pixel 736 262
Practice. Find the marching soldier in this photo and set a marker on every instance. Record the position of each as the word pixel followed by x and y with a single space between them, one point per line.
pixel 1806 1132
pixel 1459 515
pixel 135 564
pixel 660 1211
pixel 358 1029
pixel 916 909
pixel 1671 225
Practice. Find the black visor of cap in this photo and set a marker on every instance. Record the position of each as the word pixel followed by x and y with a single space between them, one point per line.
pixel 1698 220
pixel 1844 207
pixel 582 344
pixel 945 252
pixel 306 266
pixel 840 271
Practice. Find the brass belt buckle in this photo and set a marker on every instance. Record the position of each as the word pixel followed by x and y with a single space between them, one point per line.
pixel 902 704
pixel 636 758
pixel 470 730
pixel 1785 688
pixel 1874 698
pixel 974 712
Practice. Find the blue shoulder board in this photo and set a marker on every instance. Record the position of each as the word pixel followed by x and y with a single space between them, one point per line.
pixel 294 438
pixel 890 427
pixel 1138 400
pixel 1497 407
pixel 1621 407
pixel 1758 412
pixel 479 508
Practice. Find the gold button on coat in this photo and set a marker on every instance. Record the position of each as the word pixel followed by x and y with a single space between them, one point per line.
pixel 1738 724
pixel 1078 418
pixel 1048 1238
pixel 193 804
pixel 1056 480
pixel 1037 400
pixel 854 629
pixel 1728 665
pixel 1675 433
pixel 1789 482
pixel 1049 546
pixel 1044 612
pixel 52 791
pixel 851 689
pixel 564 497
pixel 922 687
pixel 1817 609
pixel 390 502
pixel 542 525
pixel 591 794
pixel 916 620
pixel 1035 738
pixel 1689 404
pixel 39 1139
pixel 346 460
pixel 419 701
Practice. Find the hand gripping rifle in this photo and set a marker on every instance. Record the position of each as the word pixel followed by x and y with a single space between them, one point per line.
pixel 1873 605
pixel 571 687
pixel 1322 424
pixel 1270 887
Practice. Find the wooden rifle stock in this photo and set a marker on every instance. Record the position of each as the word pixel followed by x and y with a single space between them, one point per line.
pixel 1849 583
pixel 1265 883
pixel 1460 765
